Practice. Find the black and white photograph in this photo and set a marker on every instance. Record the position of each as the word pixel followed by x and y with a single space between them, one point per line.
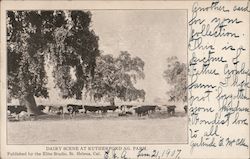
pixel 96 77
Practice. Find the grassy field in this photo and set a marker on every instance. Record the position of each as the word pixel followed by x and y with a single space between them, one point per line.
pixel 99 129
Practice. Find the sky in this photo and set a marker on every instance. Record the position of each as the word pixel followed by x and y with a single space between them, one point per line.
pixel 152 35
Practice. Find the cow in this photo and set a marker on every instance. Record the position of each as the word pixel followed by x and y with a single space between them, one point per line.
pixel 125 107
pixel 141 111
pixel 146 109
pixel 59 110
pixel 186 108
pixel 53 109
pixel 73 109
pixel 151 108
pixel 16 109
pixel 109 107
pixel 92 108
pixel 171 109
pixel 11 109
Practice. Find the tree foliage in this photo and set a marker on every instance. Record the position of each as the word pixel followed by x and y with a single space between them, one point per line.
pixel 75 47
pixel 63 37
pixel 115 78
pixel 176 76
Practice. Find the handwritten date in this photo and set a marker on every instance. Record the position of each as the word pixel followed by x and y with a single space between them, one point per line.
pixel 144 154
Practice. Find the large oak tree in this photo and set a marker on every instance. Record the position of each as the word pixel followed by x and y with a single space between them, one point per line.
pixel 64 39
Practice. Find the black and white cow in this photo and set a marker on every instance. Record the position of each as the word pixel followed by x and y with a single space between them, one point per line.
pixel 73 109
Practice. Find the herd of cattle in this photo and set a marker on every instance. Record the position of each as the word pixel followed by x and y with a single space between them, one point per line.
pixel 73 109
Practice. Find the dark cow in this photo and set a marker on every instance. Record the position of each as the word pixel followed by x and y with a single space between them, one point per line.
pixel 16 109
pixel 145 109
pixel 60 110
pixel 171 109
pixel 141 111
pixel 92 108
pixel 186 108
pixel 151 108
pixel 11 109
pixel 109 107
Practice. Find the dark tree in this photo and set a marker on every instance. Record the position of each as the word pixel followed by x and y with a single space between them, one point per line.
pixel 62 38
pixel 115 78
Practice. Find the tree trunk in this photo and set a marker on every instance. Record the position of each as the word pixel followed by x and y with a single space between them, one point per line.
pixel 112 101
pixel 29 101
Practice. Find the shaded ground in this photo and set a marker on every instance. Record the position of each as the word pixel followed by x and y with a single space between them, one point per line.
pixel 100 129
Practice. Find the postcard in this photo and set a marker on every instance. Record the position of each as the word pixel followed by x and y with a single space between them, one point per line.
pixel 125 79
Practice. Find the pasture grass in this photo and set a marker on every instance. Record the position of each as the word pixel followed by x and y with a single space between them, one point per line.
pixel 92 128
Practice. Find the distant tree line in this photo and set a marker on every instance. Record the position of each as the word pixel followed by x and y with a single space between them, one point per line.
pixel 176 76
